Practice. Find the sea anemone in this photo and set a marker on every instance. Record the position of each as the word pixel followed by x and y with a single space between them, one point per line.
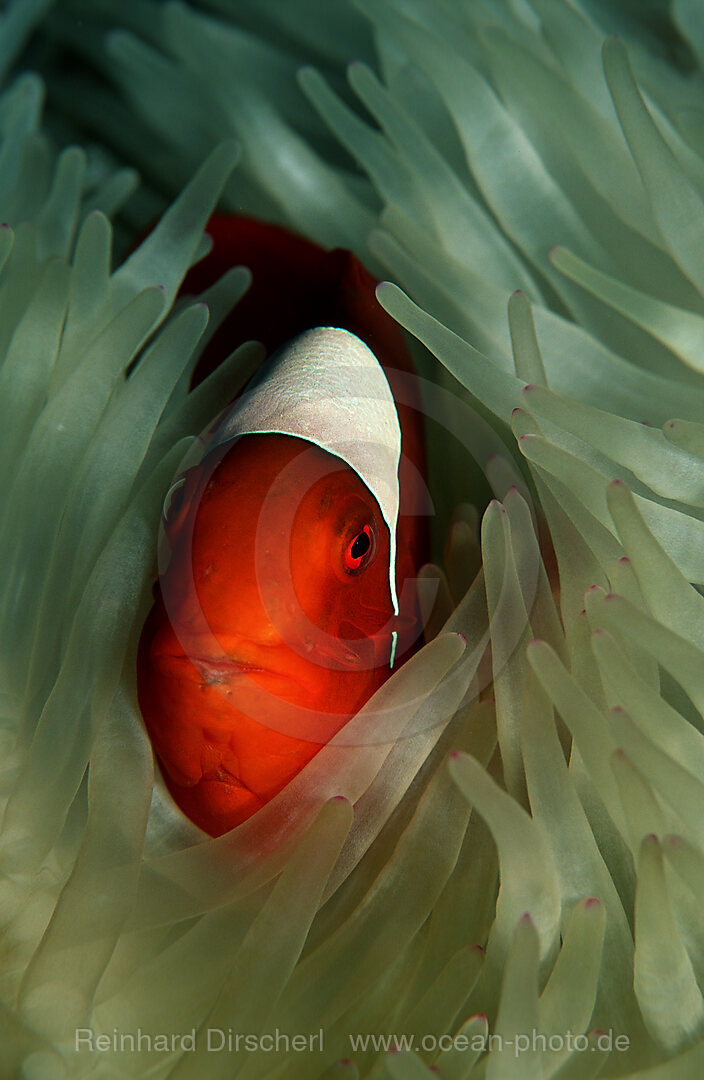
pixel 501 858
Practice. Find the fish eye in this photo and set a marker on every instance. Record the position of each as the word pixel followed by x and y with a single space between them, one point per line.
pixel 360 550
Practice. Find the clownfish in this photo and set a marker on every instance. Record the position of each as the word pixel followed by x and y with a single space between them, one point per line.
pixel 293 542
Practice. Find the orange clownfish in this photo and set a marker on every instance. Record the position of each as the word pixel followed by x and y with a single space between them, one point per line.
pixel 293 541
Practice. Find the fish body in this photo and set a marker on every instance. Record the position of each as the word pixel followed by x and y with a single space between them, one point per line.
pixel 288 596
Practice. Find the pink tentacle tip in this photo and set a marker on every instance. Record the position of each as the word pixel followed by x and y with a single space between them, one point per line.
pixel 583 611
pixel 592 901
pixel 527 918
pixel 593 587
pixel 339 798
pixel 598 632
pixel 621 754
pixel 595 1033
pixel 454 755
pixel 619 709
pixel 535 641
pixel 529 386
pixel 616 483
pixel 518 292
pixel 625 560
pixel 478 948
pixel 480 1016
pixel 347 1062
pixel 461 636
pixel 514 411
pixel 671 423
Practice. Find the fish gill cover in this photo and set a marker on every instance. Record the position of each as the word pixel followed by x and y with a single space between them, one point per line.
pixel 502 863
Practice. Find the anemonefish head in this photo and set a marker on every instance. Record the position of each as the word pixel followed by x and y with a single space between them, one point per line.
pixel 277 614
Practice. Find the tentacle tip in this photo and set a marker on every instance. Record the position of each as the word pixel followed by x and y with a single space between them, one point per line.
pixel 527 919
pixel 461 636
pixel 454 755
pixel 592 901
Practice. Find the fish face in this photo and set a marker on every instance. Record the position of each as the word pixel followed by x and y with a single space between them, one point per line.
pixel 272 622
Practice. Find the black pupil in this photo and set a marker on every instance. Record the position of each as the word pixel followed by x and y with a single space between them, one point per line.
pixel 360 546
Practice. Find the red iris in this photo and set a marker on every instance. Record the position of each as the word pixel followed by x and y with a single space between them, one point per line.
pixel 359 551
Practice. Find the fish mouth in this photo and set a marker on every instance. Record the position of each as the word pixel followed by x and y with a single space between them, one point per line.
pixel 221 775
pixel 227 666
pixel 225 669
